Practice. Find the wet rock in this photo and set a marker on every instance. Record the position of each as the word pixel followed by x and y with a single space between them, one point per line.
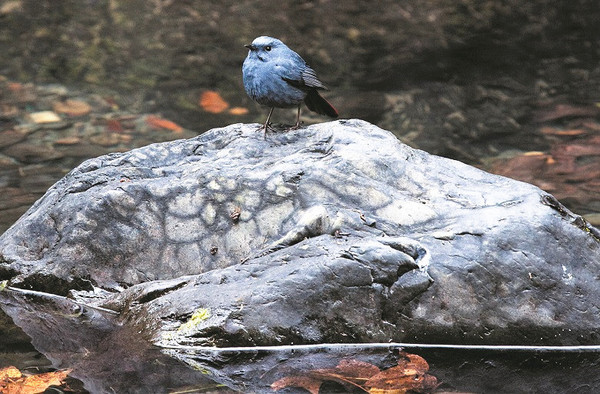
pixel 72 107
pixel 44 117
pixel 342 234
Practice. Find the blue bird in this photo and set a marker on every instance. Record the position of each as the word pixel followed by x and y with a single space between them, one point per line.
pixel 277 77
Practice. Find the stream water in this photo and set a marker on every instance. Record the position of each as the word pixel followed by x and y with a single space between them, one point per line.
pixel 511 87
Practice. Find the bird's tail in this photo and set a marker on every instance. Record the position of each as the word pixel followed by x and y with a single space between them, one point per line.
pixel 318 104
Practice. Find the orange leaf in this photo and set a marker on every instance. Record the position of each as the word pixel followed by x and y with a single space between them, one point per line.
pixel 238 111
pixel 34 383
pixel 308 383
pixel 14 86
pixel 161 123
pixel 212 102
pixel 9 372
pixel 114 125
pixel 355 371
pixel 409 374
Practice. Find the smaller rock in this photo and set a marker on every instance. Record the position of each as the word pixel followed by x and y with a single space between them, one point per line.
pixel 106 139
pixel 44 117
pixel 72 107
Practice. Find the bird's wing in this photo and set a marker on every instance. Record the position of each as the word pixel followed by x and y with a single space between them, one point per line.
pixel 309 77
pixel 299 74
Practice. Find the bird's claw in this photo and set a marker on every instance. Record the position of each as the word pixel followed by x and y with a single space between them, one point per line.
pixel 296 126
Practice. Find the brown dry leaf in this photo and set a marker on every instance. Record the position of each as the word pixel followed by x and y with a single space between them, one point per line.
pixel 161 123
pixel 308 383
pixel 72 107
pixel 348 372
pixel 212 102
pixel 34 383
pixel 238 111
pixel 354 371
pixel 113 125
pixel 408 375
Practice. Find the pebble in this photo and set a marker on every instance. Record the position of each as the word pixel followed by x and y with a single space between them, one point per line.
pixel 44 117
pixel 72 107
pixel 106 139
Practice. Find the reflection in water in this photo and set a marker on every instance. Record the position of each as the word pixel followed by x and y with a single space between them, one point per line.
pixel 477 369
pixel 109 357
pixel 105 355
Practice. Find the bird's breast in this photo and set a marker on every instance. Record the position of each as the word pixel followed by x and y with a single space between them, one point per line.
pixel 264 83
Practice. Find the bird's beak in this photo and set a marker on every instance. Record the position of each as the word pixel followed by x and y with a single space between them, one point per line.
pixel 250 46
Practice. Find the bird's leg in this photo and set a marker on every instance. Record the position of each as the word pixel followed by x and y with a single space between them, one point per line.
pixel 266 125
pixel 297 126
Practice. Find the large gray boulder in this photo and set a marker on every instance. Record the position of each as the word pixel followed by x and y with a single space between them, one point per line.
pixel 336 232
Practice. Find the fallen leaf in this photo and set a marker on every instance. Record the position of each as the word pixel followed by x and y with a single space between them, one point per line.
pixel 238 111
pixel 161 123
pixel 9 372
pixel 409 375
pixel 72 107
pixel 44 117
pixel 212 102
pixel 32 384
pixel 308 383
pixel 356 371
pixel 14 86
pixel 197 317
pixel 113 125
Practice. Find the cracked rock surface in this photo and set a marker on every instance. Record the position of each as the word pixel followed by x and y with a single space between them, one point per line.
pixel 336 232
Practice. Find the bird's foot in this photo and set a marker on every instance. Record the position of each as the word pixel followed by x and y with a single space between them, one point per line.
pixel 296 126
pixel 266 127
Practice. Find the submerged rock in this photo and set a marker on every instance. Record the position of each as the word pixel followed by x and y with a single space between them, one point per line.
pixel 336 232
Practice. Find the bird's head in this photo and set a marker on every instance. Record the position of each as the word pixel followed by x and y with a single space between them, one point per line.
pixel 265 48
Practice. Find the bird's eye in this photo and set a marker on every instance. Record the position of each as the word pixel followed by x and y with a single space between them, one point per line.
pixel 268 48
